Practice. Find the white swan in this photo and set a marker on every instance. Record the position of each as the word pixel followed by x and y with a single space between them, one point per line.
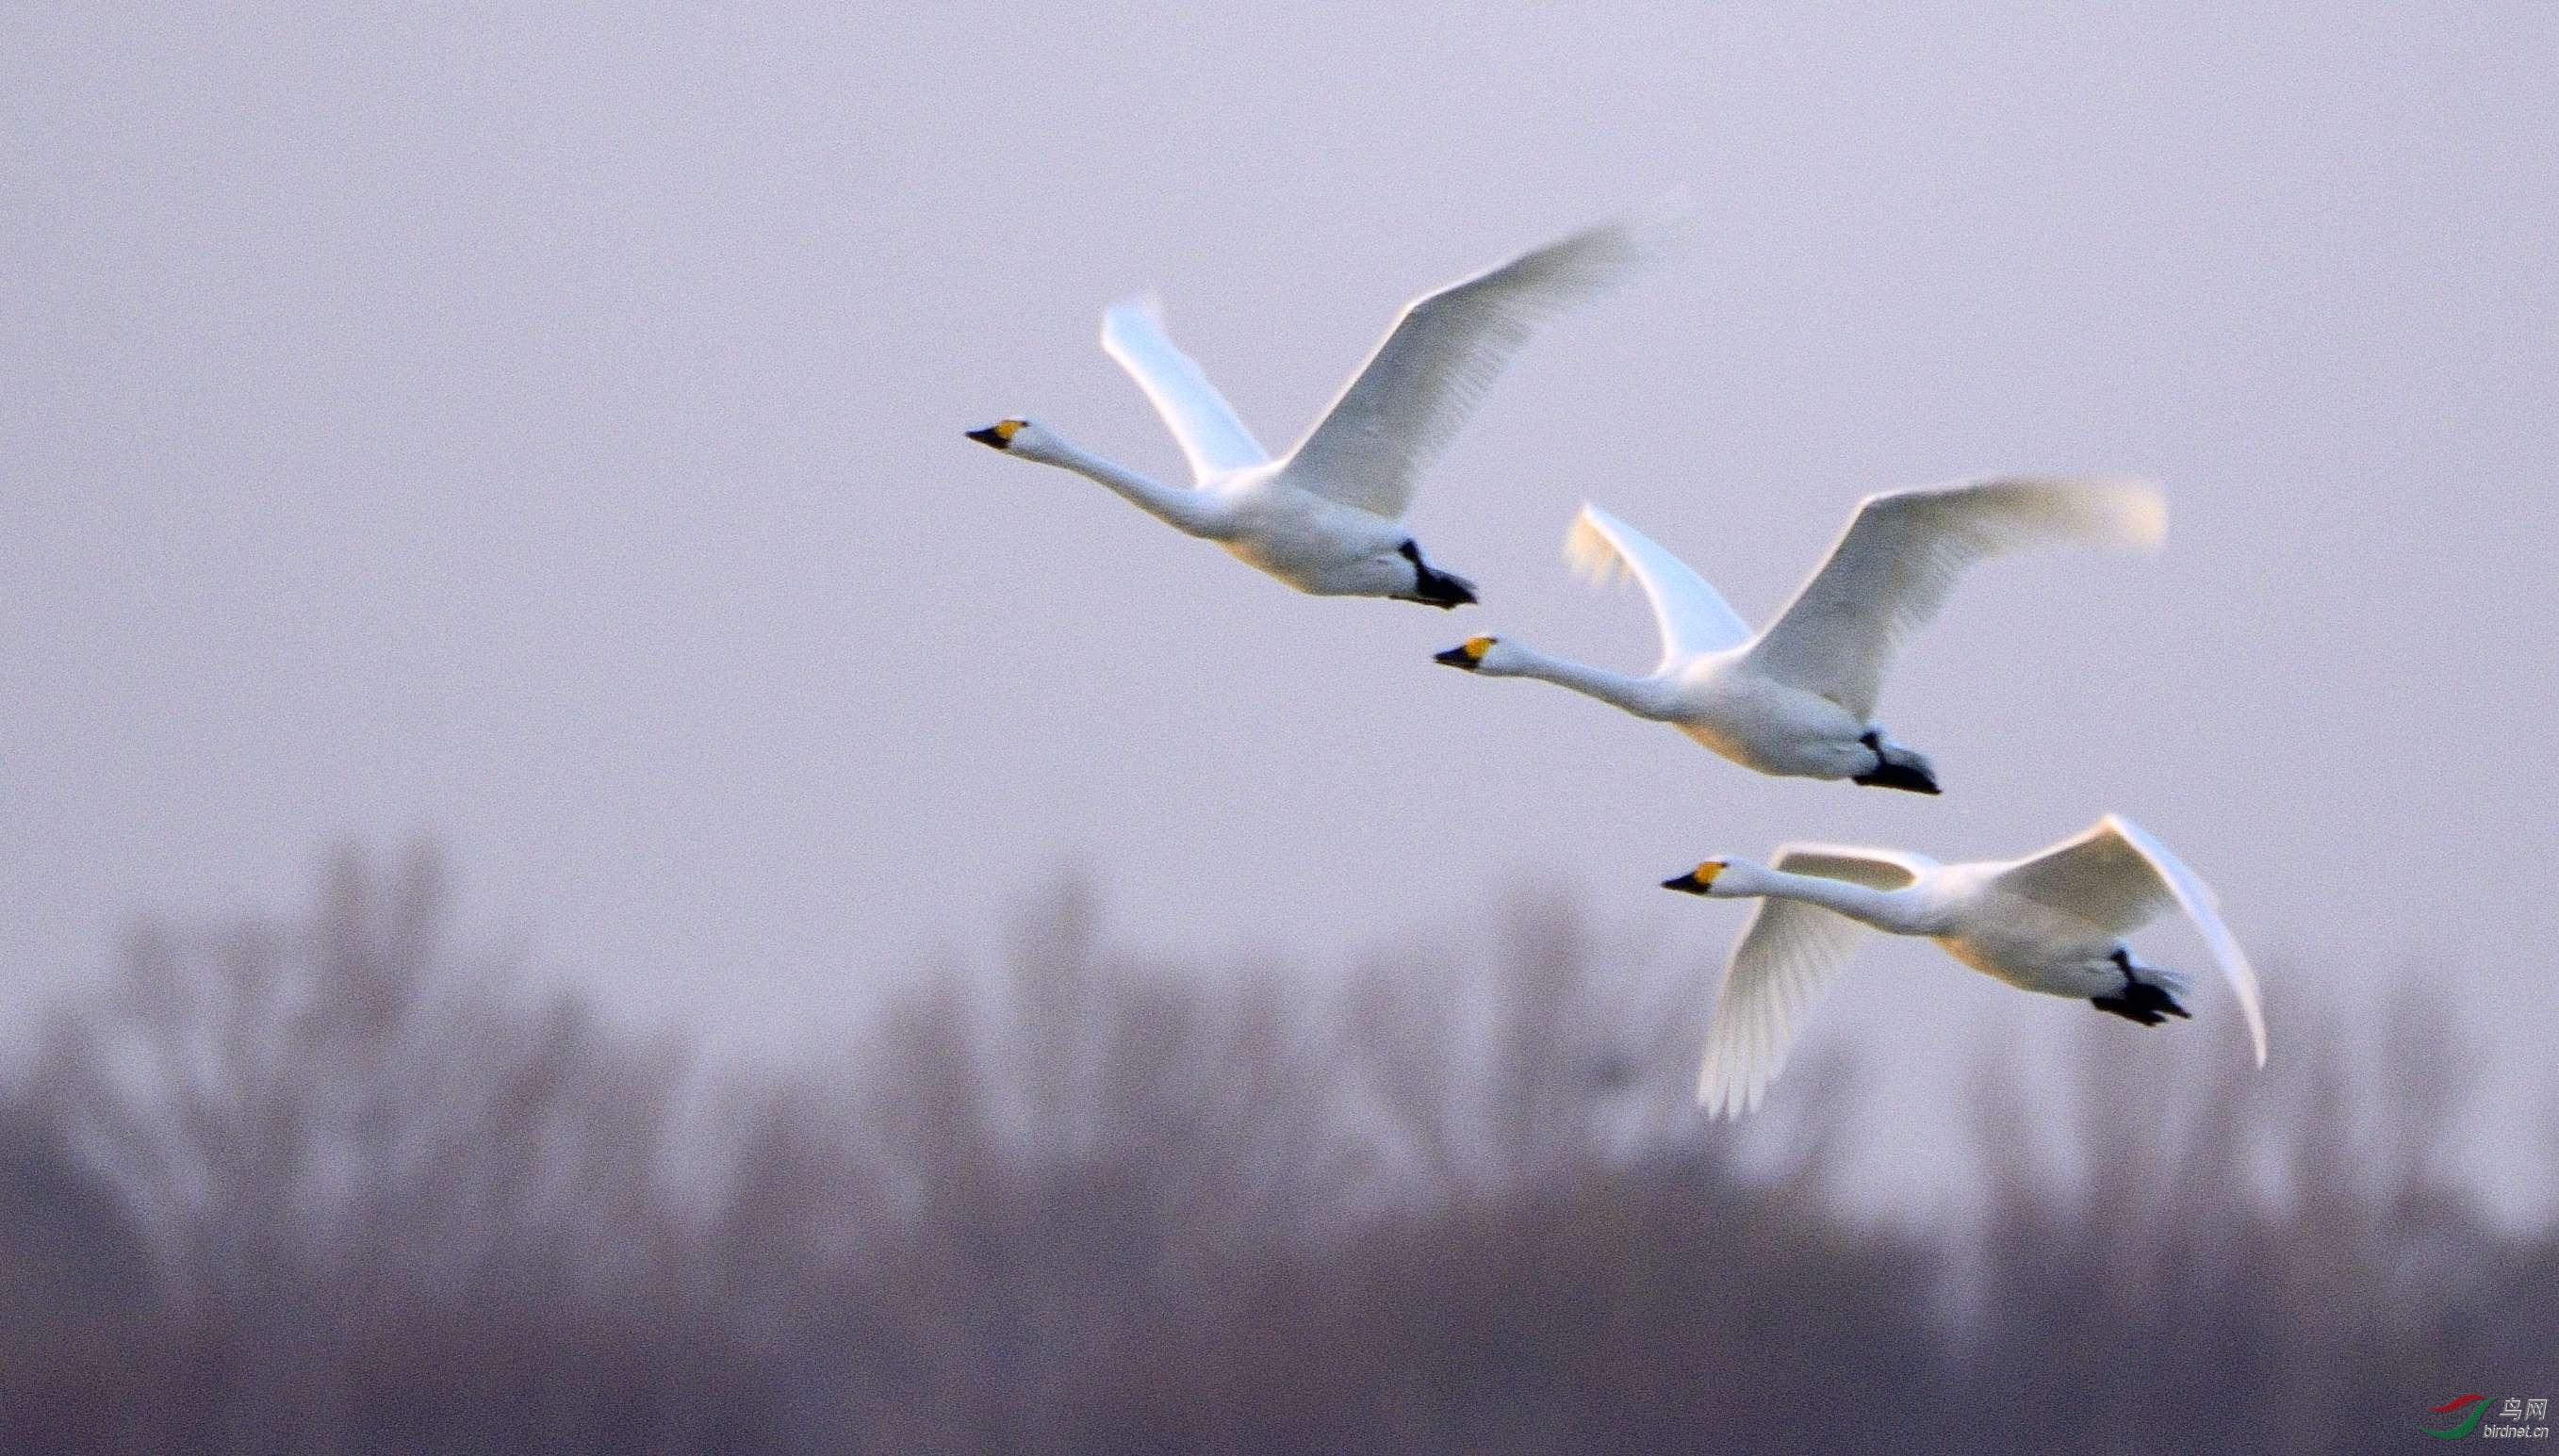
pixel 1327 518
pixel 1798 698
pixel 2053 923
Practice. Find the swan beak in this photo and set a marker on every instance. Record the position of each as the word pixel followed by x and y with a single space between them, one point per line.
pixel 999 435
pixel 1468 654
pixel 1696 881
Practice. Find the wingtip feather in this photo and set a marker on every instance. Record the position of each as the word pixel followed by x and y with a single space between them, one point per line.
pixel 1597 257
pixel 2116 510
pixel 2127 511
pixel 2134 510
pixel 1589 551
pixel 1718 1090
pixel 1145 304
pixel 2242 974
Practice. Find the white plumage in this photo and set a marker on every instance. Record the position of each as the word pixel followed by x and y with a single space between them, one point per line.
pixel 1895 564
pixel 1799 697
pixel 1211 436
pixel 1327 518
pixel 2052 922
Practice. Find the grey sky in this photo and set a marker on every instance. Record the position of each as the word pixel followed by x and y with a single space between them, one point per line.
pixel 546 433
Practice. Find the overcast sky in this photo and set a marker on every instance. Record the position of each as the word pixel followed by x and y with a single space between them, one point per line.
pixel 545 434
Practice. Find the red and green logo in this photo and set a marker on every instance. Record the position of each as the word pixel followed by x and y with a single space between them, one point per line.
pixel 2476 1405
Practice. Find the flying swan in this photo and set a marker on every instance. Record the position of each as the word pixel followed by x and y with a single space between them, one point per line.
pixel 1798 699
pixel 2053 923
pixel 1328 517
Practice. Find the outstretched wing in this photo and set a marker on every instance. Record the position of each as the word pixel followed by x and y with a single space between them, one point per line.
pixel 2116 875
pixel 1395 415
pixel 1214 440
pixel 1894 565
pixel 1784 960
pixel 1693 616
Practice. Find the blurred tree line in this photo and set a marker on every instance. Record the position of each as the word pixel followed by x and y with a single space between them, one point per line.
pixel 340 1185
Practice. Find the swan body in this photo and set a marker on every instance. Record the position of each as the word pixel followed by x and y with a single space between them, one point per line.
pixel 1327 518
pixel 1797 699
pixel 2052 922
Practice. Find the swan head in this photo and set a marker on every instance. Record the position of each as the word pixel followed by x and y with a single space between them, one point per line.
pixel 1700 880
pixel 1489 655
pixel 1016 437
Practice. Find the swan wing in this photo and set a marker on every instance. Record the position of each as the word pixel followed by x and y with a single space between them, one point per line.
pixel 2116 875
pixel 1395 415
pixel 2099 876
pixel 1897 561
pixel 1693 617
pixel 1213 439
pixel 1786 957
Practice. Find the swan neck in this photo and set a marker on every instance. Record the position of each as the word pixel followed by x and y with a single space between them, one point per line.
pixel 1642 696
pixel 1878 907
pixel 1187 510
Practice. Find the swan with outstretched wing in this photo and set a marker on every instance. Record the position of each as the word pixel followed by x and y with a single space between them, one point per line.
pixel 1798 698
pixel 2053 923
pixel 1327 518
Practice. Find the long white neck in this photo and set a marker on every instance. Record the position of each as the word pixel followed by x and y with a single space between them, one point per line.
pixel 1885 910
pixel 1645 697
pixel 1192 512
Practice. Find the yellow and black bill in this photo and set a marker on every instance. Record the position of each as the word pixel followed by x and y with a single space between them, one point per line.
pixel 1696 881
pixel 1468 654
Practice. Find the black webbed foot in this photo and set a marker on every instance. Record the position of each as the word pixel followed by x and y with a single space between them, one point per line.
pixel 2140 1000
pixel 1909 778
pixel 1433 587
